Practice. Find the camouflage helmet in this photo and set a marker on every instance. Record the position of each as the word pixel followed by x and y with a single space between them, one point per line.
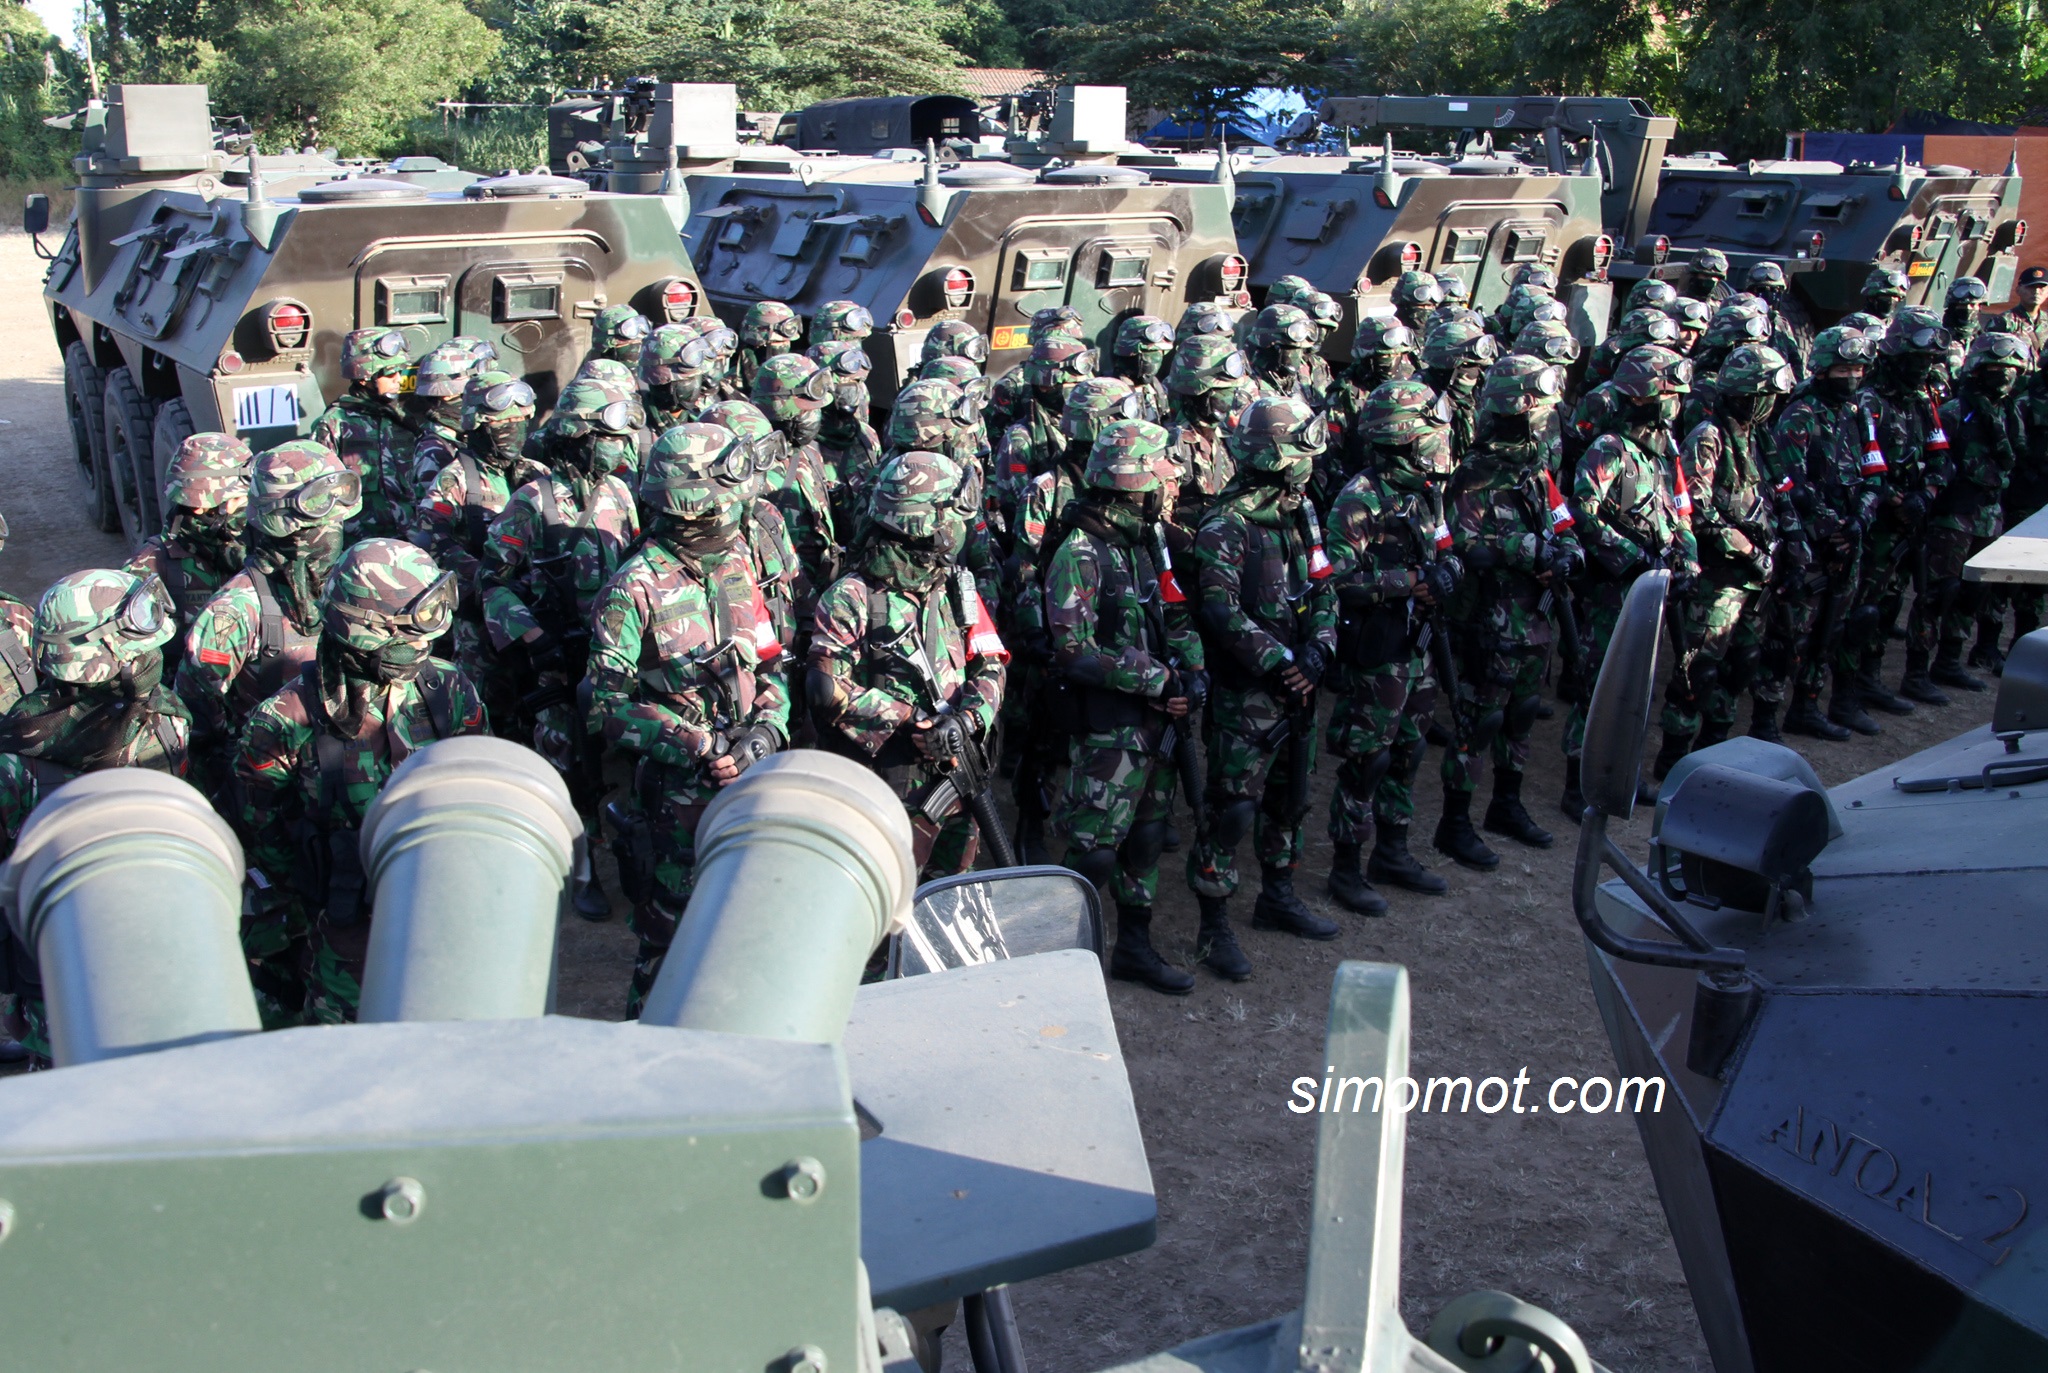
pixel 385 591
pixel 1418 288
pixel 1397 412
pixel 1915 330
pixel 1378 334
pixel 1130 456
pixel 1456 292
pixel 1969 291
pixel 1289 290
pixel 914 494
pixel 1058 360
pixel 767 322
pixel 1997 349
pixel 838 320
pixel 497 397
pixel 92 624
pixel 959 371
pixel 724 342
pixel 928 412
pixel 1518 384
pixel 619 329
pixel 955 338
pixel 481 350
pixel 1651 292
pixel 1864 322
pixel 1324 310
pixel 1281 435
pixel 1206 362
pixel 1548 339
pixel 694 468
pixel 742 417
pixel 1203 317
pixel 1143 334
pixel 1841 344
pixel 788 385
pixel 1094 403
pixel 1459 343
pixel 607 372
pixel 1886 281
pixel 1731 328
pixel 1056 321
pixel 1521 305
pixel 1649 372
pixel 1536 277
pixel 597 407
pixel 367 354
pixel 1688 313
pixel 1711 263
pixel 1754 369
pixel 676 352
pixel 1646 325
pixel 1745 300
pixel 1283 326
pixel 208 472
pixel 301 483
pixel 1549 309
pixel 1762 275
pixel 445 371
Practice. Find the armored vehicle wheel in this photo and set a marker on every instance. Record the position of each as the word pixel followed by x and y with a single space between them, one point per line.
pixel 173 426
pixel 84 401
pixel 131 460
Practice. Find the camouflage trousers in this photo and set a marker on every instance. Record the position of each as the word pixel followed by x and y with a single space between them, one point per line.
pixel 279 952
pixel 1942 612
pixel 1722 644
pixel 1599 603
pixel 1115 784
pixel 1243 730
pixel 1830 643
pixel 1378 711
pixel 1887 574
pixel 1502 676
pixel 1789 618
pixel 672 799
pixel 334 982
pixel 942 848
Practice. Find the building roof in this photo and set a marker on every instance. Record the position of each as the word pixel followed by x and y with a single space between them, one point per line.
pixel 986 82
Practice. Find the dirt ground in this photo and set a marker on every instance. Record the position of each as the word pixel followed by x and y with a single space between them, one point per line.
pixel 1559 1210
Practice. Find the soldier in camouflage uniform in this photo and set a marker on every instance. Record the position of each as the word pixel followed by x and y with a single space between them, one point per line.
pixel 767 534
pixel 1648 324
pixel 1208 372
pixel 846 441
pixel 1883 289
pixel 930 416
pixel 2027 490
pixel 315 755
pixel 1456 292
pixel 1513 532
pixel 1819 439
pixel 1033 441
pixel 1140 352
pixel 1548 339
pixel 1391 567
pixel 1269 614
pixel 1382 349
pixel 1519 310
pixel 683 671
pixel 619 453
pixel 1011 394
pixel 435 409
pixel 1316 377
pixel 1203 317
pixel 1625 511
pixel 1962 314
pixel 955 338
pixel 904 657
pixel 260 628
pixel 768 329
pixel 790 391
pixel 1692 318
pixel 1123 640
pixel 1739 524
pixel 2029 316
pixel 368 428
pixel 1415 295
pixel 1281 338
pixel 1986 427
pixel 677 375
pixel 1455 356
pixel 206 505
pixel 1706 276
pixel 17 636
pixel 840 321
pixel 1650 294
pixel 619 332
pixel 1788 338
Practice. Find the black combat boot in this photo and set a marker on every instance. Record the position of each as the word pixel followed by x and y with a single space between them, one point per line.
pixel 1871 691
pixel 1392 865
pixel 1846 708
pixel 1805 717
pixel 1348 885
pixel 1171 844
pixel 1506 814
pixel 1674 747
pixel 1573 802
pixel 1948 668
pixel 591 900
pixel 1279 908
pixel 1763 722
pixel 1455 837
pixel 1985 653
pixel 1135 960
pixel 1216 944
pixel 1917 685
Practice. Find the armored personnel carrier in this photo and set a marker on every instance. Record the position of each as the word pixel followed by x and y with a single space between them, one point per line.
pixel 1847 991
pixel 192 293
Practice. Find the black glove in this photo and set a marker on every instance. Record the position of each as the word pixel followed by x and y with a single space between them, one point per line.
pixel 1681 585
pixel 1796 554
pixel 1195 686
pixel 1913 509
pixel 1312 661
pixel 947 738
pixel 1482 557
pixel 1621 561
pixel 1441 577
pixel 545 653
pixel 1565 563
pixel 751 746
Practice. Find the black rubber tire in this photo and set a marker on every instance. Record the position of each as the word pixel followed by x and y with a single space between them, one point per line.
pixel 173 427
pixel 85 390
pixel 131 459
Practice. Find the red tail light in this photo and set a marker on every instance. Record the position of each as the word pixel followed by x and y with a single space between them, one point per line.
pixel 1660 250
pixel 1898 192
pixel 230 362
pixel 1816 243
pixel 959 288
pixel 1411 256
pixel 1916 238
pixel 2019 232
pixel 678 299
pixel 289 325
pixel 1233 274
pixel 1381 198
pixel 905 318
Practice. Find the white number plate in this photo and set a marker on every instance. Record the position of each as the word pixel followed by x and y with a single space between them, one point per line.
pixel 266 407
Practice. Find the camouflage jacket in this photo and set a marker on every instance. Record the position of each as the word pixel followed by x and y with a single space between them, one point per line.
pixel 1347 453
pixel 17 650
pixel 1206 468
pixel 2031 325
pixel 1821 444
pixel 372 437
pixel 797 484
pixel 847 446
pixel 286 788
pixel 1910 435
pixel 69 731
pixel 435 450
pixel 1032 445
pixel 775 565
pixel 191 579
pixel 1009 396
pixel 1114 625
pixel 1738 506
pixel 1989 441
pixel 1507 534
pixel 1038 516
pixel 678 645
pixel 246 644
pixel 1623 508
pixel 1264 587
pixel 1379 536
pixel 2027 489
pixel 551 552
pixel 1598 412
pixel 457 507
pixel 870 644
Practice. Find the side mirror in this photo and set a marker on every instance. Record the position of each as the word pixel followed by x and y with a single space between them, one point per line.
pixel 35 214
pixel 1618 716
pixel 956 922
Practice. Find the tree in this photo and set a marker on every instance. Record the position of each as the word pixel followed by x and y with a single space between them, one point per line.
pixel 1202 58
pixel 1429 47
pixel 37 79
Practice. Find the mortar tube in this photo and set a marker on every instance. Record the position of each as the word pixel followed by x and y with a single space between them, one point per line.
pixel 803 867
pixel 128 887
pixel 466 850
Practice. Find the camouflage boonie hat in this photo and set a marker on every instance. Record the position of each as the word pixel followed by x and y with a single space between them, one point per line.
pixel 1382 334
pixel 1688 313
pixel 597 407
pixel 1204 363
pixel 367 354
pixel 1399 411
pixel 1710 262
pixel 840 320
pixel 444 371
pixel 1056 321
pixel 89 624
pixel 1764 274
pixel 1646 325
pixel 1279 434
pixel 1998 350
pixel 1129 456
pixel 927 413
pixel 1650 371
pixel 1518 384
pixel 619 329
pixel 1966 291
pixel 1754 369
pixel 694 468
pixel 768 321
pixel 961 372
pixel 1914 329
pixel 1094 403
pixel 1536 278
pixel 1456 292
pixel 1650 292
pixel 789 384
pixel 1731 328
pixel 384 590
pixel 209 471
pixel 1459 343
pixel 955 338
pixel 1058 359
pixel 1144 334
pixel 1289 290
pixel 914 494
pixel 1886 281
pixel 1417 288
pixel 1833 347
pixel 676 352
pixel 1203 318
pixel 494 396
pixel 1548 339
pixel 1283 326
pixel 300 483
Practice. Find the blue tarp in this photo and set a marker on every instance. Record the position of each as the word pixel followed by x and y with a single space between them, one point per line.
pixel 1863 147
pixel 1263 118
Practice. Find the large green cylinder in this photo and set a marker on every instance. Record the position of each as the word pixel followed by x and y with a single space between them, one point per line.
pixel 466 849
pixel 803 865
pixel 128 887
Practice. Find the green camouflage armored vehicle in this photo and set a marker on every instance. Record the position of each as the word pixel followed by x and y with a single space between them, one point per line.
pixel 1845 989
pixel 192 295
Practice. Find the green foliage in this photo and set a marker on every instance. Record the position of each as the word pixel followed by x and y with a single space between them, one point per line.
pixel 485 140
pixel 1421 47
pixel 1201 57
pixel 37 79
